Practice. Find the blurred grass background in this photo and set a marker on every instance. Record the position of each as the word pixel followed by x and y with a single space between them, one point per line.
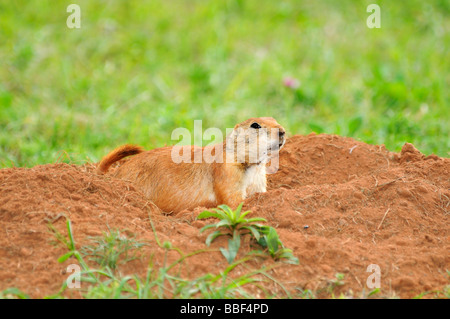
pixel 136 70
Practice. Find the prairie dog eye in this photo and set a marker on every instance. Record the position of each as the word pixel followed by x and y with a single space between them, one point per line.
pixel 255 126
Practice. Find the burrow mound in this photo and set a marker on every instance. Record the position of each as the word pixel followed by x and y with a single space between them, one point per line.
pixel 340 204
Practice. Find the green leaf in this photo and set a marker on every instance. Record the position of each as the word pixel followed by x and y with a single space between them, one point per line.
pixel 233 248
pixel 208 214
pixel 212 236
pixel 237 212
pixel 64 257
pixel 263 229
pixel 254 231
pixel 15 292
pixel 226 254
pixel 272 240
pixel 221 213
pixel 69 230
pixel 235 242
pixel 223 222
pixel 256 219
pixel 231 215
pixel 227 210
pixel 292 260
pixel 373 292
pixel 207 227
pixel 242 281
pixel 286 253
pixel 241 217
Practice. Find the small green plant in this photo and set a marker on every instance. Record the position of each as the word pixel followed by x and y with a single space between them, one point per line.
pixel 269 239
pixel 234 224
pixel 13 293
pixel 112 248
pixel 439 294
pixel 86 274
pixel 334 283
pixel 436 294
pixel 306 294
pixel 160 282
pixel 374 292
pixel 69 243
pixel 232 220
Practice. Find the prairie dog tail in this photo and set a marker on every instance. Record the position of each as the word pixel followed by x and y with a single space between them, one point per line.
pixel 116 155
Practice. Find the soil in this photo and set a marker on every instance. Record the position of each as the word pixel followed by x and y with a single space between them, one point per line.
pixel 339 204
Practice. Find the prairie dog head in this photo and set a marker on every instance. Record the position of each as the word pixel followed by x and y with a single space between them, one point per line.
pixel 255 140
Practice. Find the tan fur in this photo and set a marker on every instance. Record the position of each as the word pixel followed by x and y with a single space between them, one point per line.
pixel 174 187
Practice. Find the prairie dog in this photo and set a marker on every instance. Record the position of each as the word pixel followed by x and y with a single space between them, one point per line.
pixel 234 170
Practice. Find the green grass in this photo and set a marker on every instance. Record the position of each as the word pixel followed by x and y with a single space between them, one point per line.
pixel 112 248
pixel 101 277
pixel 134 72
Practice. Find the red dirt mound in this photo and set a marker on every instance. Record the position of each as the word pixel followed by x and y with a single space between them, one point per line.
pixel 340 204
